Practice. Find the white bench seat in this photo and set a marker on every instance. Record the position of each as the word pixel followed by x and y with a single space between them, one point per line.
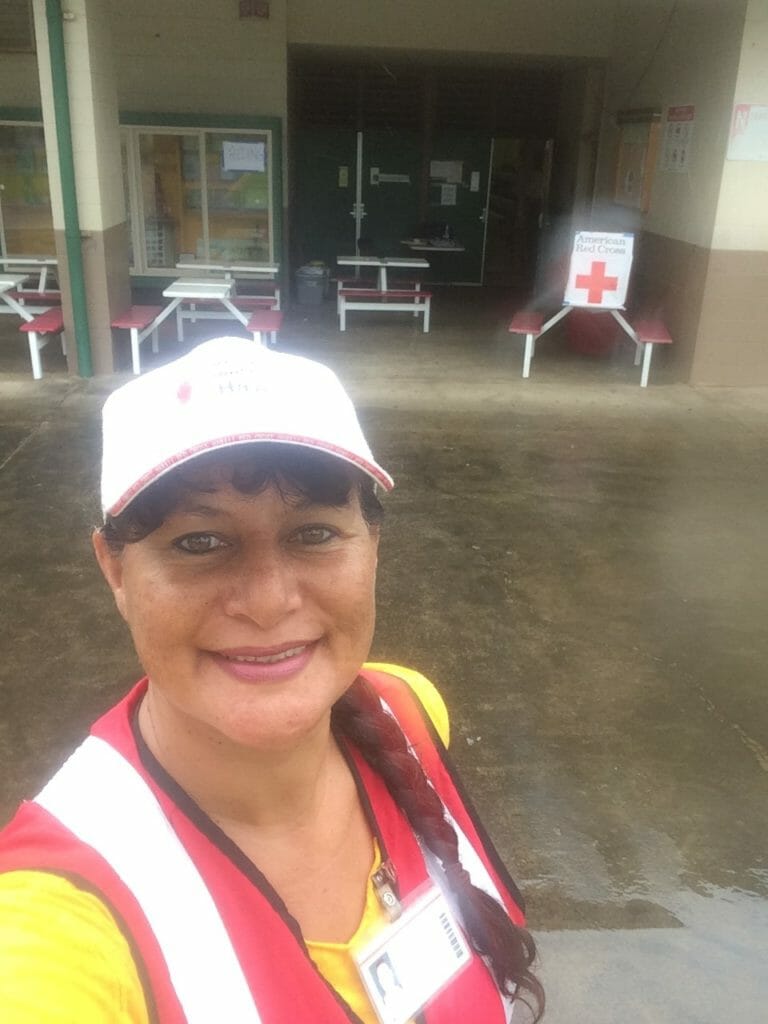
pixel 394 300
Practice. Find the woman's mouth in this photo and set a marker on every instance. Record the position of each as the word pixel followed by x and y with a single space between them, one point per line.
pixel 263 664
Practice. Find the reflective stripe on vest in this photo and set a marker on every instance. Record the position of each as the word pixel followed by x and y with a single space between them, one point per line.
pixel 103 801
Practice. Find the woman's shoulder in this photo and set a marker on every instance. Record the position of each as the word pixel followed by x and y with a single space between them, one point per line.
pixel 62 955
pixel 425 691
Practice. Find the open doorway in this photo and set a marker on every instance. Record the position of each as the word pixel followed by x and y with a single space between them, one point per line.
pixel 518 205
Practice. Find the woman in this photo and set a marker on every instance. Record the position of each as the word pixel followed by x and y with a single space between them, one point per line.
pixel 262 814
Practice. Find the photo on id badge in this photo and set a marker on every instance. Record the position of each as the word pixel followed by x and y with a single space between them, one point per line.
pixel 413 959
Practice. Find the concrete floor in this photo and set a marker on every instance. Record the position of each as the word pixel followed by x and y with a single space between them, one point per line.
pixel 580 565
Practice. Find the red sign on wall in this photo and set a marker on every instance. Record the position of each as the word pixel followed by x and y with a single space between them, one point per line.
pixel 683 113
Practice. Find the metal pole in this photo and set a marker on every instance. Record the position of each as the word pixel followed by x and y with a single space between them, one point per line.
pixel 68 190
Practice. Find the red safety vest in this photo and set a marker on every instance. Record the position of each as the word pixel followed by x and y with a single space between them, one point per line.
pixel 276 980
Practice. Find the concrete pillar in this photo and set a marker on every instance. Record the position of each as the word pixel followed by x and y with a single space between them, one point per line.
pixel 98 170
pixel 730 346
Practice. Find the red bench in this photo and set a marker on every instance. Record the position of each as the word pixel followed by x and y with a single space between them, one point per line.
pixel 198 309
pixel 29 295
pixel 648 332
pixel 529 324
pixel 140 321
pixel 39 329
pixel 393 300
pixel 645 332
pixel 265 321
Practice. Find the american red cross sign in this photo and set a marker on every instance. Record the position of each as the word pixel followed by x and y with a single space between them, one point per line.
pixel 599 272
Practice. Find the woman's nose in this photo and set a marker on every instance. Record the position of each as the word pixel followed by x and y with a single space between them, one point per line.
pixel 264 588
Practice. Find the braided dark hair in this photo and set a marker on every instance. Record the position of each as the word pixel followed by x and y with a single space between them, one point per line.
pixel 508 950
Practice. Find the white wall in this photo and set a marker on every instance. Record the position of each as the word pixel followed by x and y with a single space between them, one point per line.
pixel 669 55
pixel 551 27
pixel 742 210
pixel 198 56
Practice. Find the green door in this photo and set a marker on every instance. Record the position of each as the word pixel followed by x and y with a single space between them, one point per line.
pixel 391 167
pixel 323 222
pixel 459 204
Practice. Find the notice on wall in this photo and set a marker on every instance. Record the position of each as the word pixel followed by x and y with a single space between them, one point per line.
pixel 244 156
pixel 448 195
pixel 678 138
pixel 451 171
pixel 749 133
pixel 599 272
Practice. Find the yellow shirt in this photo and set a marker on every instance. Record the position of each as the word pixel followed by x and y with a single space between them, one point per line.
pixel 64 960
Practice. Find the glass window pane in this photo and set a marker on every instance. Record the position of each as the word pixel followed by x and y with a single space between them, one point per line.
pixel 170 186
pixel 26 202
pixel 127 192
pixel 237 166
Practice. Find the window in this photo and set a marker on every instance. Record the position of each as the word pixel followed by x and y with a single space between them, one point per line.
pixel 17 34
pixel 26 221
pixel 200 194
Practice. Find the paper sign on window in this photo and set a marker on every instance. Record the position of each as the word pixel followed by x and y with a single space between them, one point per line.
pixel 244 156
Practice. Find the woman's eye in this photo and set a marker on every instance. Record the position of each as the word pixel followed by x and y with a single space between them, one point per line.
pixel 315 534
pixel 198 543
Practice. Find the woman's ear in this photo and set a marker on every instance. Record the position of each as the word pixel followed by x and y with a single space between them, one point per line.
pixel 111 564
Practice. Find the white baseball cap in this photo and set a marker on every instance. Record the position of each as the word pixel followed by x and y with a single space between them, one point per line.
pixel 225 392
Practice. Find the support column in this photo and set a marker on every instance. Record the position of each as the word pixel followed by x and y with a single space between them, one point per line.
pixel 98 175
pixel 730 345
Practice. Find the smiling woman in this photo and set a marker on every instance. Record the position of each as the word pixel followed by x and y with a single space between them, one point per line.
pixel 264 812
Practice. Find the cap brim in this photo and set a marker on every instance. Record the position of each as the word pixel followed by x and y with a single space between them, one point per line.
pixel 370 468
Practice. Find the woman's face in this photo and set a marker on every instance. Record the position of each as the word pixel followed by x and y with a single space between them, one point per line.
pixel 251 614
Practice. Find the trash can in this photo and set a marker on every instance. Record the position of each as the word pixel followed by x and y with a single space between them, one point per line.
pixel 312 284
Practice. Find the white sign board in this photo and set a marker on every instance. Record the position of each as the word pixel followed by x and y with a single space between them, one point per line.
pixel 678 138
pixel 447 195
pixel 749 133
pixel 599 272
pixel 244 156
pixel 451 171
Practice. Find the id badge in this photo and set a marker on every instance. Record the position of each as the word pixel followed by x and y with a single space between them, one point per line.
pixel 413 959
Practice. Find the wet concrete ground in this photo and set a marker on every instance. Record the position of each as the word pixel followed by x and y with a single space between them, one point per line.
pixel 578 563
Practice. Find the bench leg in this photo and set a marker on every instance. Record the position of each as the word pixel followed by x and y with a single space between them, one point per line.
pixel 638 353
pixel 426 315
pixel 155 342
pixel 646 364
pixel 179 323
pixel 63 340
pixel 135 359
pixel 34 355
pixel 530 347
pixel 258 337
pixel 417 289
pixel 342 314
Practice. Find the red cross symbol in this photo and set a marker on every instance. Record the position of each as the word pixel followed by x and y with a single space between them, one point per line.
pixel 596 282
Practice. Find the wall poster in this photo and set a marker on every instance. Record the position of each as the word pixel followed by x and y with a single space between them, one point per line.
pixel 678 138
pixel 636 159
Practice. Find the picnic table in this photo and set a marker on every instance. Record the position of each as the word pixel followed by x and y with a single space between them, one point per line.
pixel 40 265
pixel 243 269
pixel 201 289
pixel 356 295
pixel 383 264
pixel 9 285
